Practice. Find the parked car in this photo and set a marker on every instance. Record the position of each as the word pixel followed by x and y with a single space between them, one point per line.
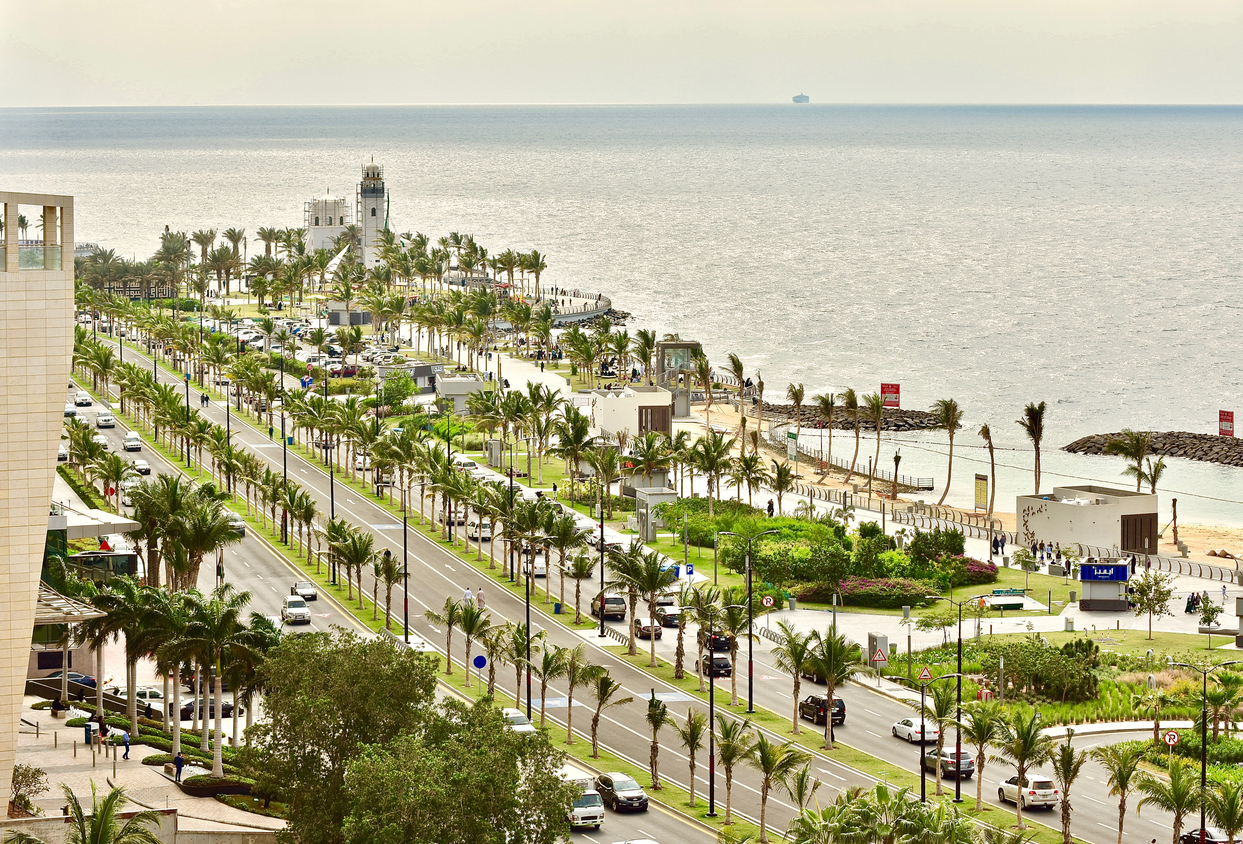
pixel 518 722
pixel 142 467
pixel 947 764
pixel 82 399
pixel 719 666
pixel 1212 835
pixel 814 708
pixel 62 453
pixel 105 420
pixel 305 589
pixel 645 630
pixel 1037 792
pixel 133 441
pixel 74 677
pixel 914 731
pixel 669 616
pixel 127 491
pixel 187 709
pixel 620 791
pixel 295 611
pixel 614 607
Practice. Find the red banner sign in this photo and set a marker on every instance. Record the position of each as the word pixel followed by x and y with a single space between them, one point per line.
pixel 890 393
pixel 1225 423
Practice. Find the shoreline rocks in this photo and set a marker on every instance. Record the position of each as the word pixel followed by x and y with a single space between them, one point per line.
pixel 1207 448
pixel 896 419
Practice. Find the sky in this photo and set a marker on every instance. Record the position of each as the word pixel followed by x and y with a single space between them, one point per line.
pixel 220 52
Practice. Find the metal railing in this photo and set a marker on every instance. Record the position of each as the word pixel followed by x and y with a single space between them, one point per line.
pixel 1173 565
pixel 776 436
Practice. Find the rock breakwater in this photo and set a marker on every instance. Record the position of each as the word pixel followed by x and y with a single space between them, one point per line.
pixel 1208 448
pixel 896 419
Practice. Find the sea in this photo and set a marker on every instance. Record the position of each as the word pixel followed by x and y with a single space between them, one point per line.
pixel 1089 257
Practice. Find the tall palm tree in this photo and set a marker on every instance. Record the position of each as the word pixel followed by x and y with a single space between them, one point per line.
pixel 981 728
pixel 102 824
pixel 1023 746
pixel 1121 763
pixel 1067 764
pixel 826 406
pixel 850 406
pixel 1224 805
pixel 549 666
pixel 703 376
pixel 579 671
pixel 874 411
pixel 986 433
pixel 1032 423
pixel 1134 446
pixel 837 660
pixel 775 763
pixel 1179 795
pixel 796 394
pixel 604 689
pixel 216 631
pixel 795 657
pixel 782 481
pixel 947 416
pixel 692 734
pixel 657 717
pixel 733 745
pixel 712 458
pixel 476 624
pixel 939 710
pixel 605 462
pixel 581 568
pixel 449 617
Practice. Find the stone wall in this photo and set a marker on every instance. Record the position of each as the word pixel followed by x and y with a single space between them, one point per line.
pixel 896 419
pixel 1208 448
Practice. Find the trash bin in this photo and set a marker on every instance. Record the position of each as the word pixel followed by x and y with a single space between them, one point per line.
pixel 90 731
pixel 1073 596
pixel 1070 625
pixel 289 440
pixel 556 608
pixel 793 603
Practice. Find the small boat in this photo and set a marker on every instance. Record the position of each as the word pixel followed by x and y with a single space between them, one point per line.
pixel 802 98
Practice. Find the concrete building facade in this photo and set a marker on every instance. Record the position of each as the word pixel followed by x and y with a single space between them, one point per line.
pixel 324 219
pixel 1090 515
pixel 36 299
pixel 633 409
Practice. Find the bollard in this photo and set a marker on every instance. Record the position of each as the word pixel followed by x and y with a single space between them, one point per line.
pixel 75 748
pixel 36 729
pixel 92 760
pixel 114 766
pixel 55 739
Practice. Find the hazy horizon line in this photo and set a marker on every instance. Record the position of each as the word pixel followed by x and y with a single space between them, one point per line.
pixel 835 104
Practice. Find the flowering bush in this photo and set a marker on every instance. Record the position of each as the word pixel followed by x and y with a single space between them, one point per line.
pixel 883 592
pixel 969 571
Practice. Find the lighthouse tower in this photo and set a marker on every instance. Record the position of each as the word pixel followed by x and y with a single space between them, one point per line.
pixel 372 210
pixel 325 218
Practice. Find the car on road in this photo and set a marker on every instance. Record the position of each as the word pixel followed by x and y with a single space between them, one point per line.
pixel 813 708
pixel 70 411
pixel 142 467
pixel 362 462
pixel 1212 835
pixel 133 441
pixel 62 453
pixel 187 709
pixel 620 792
pixel 518 722
pixel 614 606
pixel 295 611
pixel 238 524
pixel 718 642
pixel 105 420
pixel 305 590
pixel 719 666
pixel 479 531
pixel 82 399
pixel 102 440
pixel 912 730
pixel 948 765
pixel 669 616
pixel 127 491
pixel 74 677
pixel 1036 793
pixel 645 630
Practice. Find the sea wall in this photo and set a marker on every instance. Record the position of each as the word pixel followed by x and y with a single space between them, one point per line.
pixel 896 419
pixel 1208 448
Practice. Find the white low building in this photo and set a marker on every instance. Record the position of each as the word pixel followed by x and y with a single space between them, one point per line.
pixel 633 409
pixel 1090 515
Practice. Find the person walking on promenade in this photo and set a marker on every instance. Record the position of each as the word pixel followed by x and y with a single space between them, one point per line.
pixel 771 508
pixel 125 741
pixel 179 762
pixel 479 602
pixel 468 596
pixel 1001 544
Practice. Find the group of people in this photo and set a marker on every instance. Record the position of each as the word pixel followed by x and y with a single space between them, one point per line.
pixel 999 545
pixel 477 597
pixel 1198 599
pixel 1047 552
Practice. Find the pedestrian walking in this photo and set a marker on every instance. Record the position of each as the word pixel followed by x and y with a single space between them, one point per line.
pixel 479 602
pixel 179 762
pixel 125 741
pixel 271 430
pixel 771 508
pixel 1223 594
pixel 468 596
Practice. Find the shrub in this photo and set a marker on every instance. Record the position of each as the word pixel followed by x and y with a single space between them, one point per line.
pixel 925 547
pixel 209 781
pixel 974 572
pixel 883 593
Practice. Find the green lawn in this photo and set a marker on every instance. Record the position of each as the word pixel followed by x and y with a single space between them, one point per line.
pixel 1134 642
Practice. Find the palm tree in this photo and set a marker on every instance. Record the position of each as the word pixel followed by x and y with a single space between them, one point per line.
pixel 711 456
pixel 1134 446
pixel 940 711
pixel 795 657
pixel 783 482
pixel 102 825
pixel 736 370
pixel 476 623
pixel 948 417
pixel 549 667
pixel 651 578
pixel 826 406
pixel 703 375
pixel 837 661
pixel 874 410
pixel 643 347
pixel 733 745
pixel 1067 764
pixel 796 393
pixel 604 689
pixel 1121 763
pixel 850 406
pixel 1224 805
pixel 1032 423
pixel 581 568
pixel 986 433
pixel 578 672
pixel 692 735
pixel 657 717
pixel 1179 795
pixel 775 763
pixel 216 632
pixel 449 617
pixel 981 728
pixel 604 461
pixel 1023 746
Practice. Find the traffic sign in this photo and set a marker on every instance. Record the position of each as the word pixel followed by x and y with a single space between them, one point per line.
pixel 480 661
pixel 925 674
pixel 767 600
pixel 1171 738
pixel 879 656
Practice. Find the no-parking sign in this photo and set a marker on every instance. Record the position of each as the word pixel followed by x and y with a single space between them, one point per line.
pixel 767 600
pixel 1171 738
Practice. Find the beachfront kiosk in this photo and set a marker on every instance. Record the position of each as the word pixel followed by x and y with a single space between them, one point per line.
pixel 1104 585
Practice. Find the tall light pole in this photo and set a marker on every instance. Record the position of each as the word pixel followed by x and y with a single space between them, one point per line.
pixel 712 614
pixel 188 466
pixel 1204 672
pixel 750 541
pixel 923 780
pixel 958 713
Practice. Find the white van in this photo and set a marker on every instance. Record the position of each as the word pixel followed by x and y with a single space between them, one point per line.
pixel 479 530
pixel 588 808
pixel 133 441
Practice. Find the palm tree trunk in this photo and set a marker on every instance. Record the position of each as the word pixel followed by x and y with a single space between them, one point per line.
pixel 217 757
pixel 949 473
pixel 176 710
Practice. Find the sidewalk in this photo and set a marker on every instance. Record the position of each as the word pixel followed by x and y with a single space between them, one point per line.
pixel 53 751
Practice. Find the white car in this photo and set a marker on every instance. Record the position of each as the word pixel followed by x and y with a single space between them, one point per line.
pixel 518 722
pixel 912 730
pixel 479 531
pixel 362 463
pixel 62 453
pixel 105 420
pixel 133 441
pixel 142 467
pixel 102 440
pixel 127 491
pixel 82 399
pixel 1036 792
pixel 295 610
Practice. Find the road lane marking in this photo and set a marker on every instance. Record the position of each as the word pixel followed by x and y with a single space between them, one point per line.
pixel 830 773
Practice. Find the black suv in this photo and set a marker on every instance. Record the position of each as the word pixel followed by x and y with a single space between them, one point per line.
pixel 718 642
pixel 619 791
pixel 812 708
pixel 718 667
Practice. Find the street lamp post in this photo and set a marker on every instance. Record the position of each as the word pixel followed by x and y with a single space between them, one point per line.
pixel 188 466
pixel 958 711
pixel 1204 672
pixel 712 714
pixel 750 541
pixel 923 721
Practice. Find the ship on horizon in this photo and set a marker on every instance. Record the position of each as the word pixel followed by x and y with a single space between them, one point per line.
pixel 802 98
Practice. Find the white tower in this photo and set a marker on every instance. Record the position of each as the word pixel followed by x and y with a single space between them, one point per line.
pixel 324 219
pixel 372 210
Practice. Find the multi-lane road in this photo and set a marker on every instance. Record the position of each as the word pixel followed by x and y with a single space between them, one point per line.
pixel 437 574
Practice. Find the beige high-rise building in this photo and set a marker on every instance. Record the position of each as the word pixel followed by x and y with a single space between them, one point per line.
pixel 36 342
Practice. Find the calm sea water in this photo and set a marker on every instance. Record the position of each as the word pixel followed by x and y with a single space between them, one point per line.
pixel 1090 257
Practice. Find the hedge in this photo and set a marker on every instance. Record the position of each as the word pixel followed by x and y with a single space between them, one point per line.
pixel 882 593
